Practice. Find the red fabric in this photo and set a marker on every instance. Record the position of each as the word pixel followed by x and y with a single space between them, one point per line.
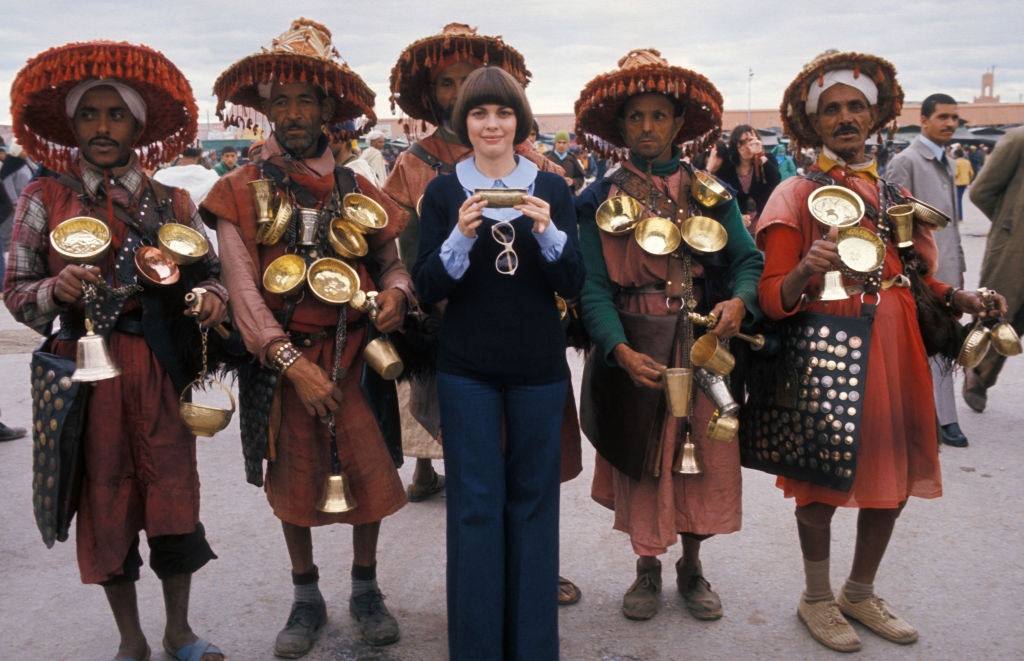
pixel 899 444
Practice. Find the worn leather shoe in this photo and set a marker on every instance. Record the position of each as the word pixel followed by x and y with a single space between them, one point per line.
pixel 10 433
pixel 302 629
pixel 975 394
pixel 375 623
pixel 641 601
pixel 951 435
pixel 702 602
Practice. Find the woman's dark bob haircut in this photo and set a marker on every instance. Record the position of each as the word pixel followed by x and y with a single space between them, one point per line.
pixel 489 85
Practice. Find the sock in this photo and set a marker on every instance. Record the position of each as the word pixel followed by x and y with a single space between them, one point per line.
pixel 364 579
pixel 819 587
pixel 307 586
pixel 857 592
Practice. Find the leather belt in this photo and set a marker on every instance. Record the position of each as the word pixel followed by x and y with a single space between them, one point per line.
pixel 129 324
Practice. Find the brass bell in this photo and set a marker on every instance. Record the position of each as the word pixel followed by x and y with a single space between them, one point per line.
pixel 336 498
pixel 834 289
pixel 93 362
pixel 686 459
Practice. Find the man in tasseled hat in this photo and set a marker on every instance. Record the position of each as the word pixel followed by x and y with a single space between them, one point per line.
pixel 835 103
pixel 424 83
pixel 310 407
pixel 636 307
pixel 98 114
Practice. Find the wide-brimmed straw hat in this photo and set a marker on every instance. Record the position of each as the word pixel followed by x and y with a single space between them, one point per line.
pixel 301 54
pixel 641 71
pixel 795 118
pixel 40 91
pixel 421 61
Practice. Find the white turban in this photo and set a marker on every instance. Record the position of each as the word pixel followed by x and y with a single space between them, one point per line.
pixel 131 98
pixel 862 82
pixel 374 135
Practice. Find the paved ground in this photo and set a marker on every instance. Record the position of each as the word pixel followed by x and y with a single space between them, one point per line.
pixel 955 567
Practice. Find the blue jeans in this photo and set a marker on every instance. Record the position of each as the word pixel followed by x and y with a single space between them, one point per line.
pixel 502 517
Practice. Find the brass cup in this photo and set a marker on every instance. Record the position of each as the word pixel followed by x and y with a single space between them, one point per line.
pixel 835 206
pixel 618 214
pixel 1005 339
pixel 82 239
pixel 364 213
pixel 709 353
pixel 975 346
pixel 262 198
pixel 678 383
pixel 928 214
pixel 707 190
pixel 723 427
pixel 860 249
pixel 657 236
pixel 332 281
pixel 155 267
pixel 501 198
pixel 902 216
pixel 308 219
pixel 205 420
pixel 272 232
pixel 382 357
pixel 346 239
pixel 182 244
pixel 704 235
pixel 284 276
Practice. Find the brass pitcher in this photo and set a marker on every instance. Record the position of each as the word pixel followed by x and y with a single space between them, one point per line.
pixel 336 497
pixel 686 462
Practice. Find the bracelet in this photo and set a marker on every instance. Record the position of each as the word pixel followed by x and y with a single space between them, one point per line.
pixel 285 357
pixel 950 295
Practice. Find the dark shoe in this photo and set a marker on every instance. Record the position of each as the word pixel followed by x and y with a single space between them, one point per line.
pixel 975 394
pixel 11 433
pixel 641 600
pixel 702 602
pixel 568 593
pixel 302 629
pixel 420 492
pixel 375 623
pixel 951 435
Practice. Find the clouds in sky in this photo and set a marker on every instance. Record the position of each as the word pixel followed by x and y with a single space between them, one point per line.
pixel 936 46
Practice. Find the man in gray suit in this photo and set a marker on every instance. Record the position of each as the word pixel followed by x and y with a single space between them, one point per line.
pixel 927 171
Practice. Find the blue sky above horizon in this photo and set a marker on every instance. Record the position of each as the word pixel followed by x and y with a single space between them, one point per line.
pixel 935 46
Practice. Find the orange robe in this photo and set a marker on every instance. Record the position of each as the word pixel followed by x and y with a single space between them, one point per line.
pixel 898 455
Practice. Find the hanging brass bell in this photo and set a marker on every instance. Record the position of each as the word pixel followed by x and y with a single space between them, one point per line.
pixel 93 362
pixel 686 459
pixel 336 497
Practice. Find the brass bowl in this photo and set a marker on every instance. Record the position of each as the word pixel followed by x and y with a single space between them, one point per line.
pixel 618 214
pixel 82 239
pixel 836 206
pixel 657 236
pixel 1005 339
pixel 501 198
pixel 365 213
pixel 704 235
pixel 346 239
pixel 272 232
pixel 975 346
pixel 860 249
pixel 928 214
pixel 332 281
pixel 707 190
pixel 285 275
pixel 155 267
pixel 205 420
pixel 182 244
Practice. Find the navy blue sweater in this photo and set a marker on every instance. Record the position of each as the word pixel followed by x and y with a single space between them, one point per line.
pixel 499 328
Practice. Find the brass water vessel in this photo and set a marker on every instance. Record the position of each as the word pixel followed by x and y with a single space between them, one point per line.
pixel 332 281
pixel 707 190
pixel 82 239
pixel 704 235
pixel 285 275
pixel 346 239
pixel 182 244
pixel 618 214
pixel 657 236
pixel 364 213
pixel 860 250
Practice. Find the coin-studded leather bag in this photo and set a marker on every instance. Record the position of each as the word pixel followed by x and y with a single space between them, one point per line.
pixel 802 419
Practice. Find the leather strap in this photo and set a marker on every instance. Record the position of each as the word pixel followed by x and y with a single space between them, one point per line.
pixel 439 166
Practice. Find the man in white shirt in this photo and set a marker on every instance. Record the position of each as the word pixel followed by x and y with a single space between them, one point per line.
pixel 373 156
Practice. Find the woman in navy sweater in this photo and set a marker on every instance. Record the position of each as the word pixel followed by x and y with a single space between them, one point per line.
pixel 502 375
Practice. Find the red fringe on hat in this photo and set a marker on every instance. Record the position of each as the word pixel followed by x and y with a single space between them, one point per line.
pixel 40 89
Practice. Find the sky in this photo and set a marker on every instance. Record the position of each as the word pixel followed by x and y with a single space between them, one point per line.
pixel 936 46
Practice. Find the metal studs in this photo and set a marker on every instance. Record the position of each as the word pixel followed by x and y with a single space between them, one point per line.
pixel 856 342
pixel 824 331
pixel 841 336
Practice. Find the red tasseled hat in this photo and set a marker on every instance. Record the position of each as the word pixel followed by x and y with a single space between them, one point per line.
pixel 642 71
pixel 412 75
pixel 38 94
pixel 303 53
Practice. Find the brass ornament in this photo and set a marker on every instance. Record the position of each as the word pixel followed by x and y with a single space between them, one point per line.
pixel 364 213
pixel 332 281
pixel 618 214
pixel 285 275
pixel 82 239
pixel 182 244
pixel 657 236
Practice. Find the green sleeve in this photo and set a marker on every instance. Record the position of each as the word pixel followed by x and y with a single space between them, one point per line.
pixel 745 262
pixel 598 299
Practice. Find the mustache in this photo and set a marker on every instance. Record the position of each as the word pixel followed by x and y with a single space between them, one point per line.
pixel 844 129
pixel 103 142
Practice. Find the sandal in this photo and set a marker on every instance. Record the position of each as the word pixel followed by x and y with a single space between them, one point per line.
pixel 194 651
pixel 419 492
pixel 568 592
pixel 144 657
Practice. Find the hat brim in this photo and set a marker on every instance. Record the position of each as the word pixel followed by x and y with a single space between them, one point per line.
pixel 797 122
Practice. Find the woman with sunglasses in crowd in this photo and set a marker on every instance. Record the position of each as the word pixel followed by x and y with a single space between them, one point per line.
pixel 502 373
